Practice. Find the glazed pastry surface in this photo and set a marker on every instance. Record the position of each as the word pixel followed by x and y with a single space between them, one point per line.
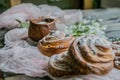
pixel 116 50
pixel 86 55
pixel 54 43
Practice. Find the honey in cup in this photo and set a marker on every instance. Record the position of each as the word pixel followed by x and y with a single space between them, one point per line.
pixel 41 27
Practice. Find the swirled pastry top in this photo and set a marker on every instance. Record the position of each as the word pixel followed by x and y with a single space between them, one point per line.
pixel 54 36
pixel 87 54
pixel 116 50
pixel 93 53
pixel 93 48
pixel 116 47
pixel 55 42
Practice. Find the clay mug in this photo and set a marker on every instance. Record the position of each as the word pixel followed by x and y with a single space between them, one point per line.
pixel 40 27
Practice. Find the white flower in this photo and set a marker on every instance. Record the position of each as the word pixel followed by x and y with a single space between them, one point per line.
pixel 87 27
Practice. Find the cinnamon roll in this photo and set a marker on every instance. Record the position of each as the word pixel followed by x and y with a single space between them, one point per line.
pixel 86 55
pixel 116 50
pixel 54 43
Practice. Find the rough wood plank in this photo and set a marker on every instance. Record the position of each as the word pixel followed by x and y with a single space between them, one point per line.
pixel 88 4
pixel 14 2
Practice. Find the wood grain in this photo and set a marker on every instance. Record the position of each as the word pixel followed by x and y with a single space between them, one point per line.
pixel 14 2
pixel 88 4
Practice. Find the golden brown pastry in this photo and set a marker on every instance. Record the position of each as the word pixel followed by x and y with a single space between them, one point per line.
pixel 54 43
pixel 116 50
pixel 86 55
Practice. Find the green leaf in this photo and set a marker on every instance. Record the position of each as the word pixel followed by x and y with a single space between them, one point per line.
pixel 23 24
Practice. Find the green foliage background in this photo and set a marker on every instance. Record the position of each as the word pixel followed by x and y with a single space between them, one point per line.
pixel 4 4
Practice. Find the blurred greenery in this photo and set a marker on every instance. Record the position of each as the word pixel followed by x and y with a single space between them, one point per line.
pixel 96 3
pixel 64 4
pixel 2 33
pixel 4 4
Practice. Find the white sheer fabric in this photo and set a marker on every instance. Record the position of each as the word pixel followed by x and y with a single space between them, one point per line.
pixel 19 57
pixel 27 11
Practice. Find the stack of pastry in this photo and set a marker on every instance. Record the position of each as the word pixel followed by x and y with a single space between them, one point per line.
pixel 54 43
pixel 86 55
pixel 116 50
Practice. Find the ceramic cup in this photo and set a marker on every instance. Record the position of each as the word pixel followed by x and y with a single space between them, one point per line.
pixel 41 27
